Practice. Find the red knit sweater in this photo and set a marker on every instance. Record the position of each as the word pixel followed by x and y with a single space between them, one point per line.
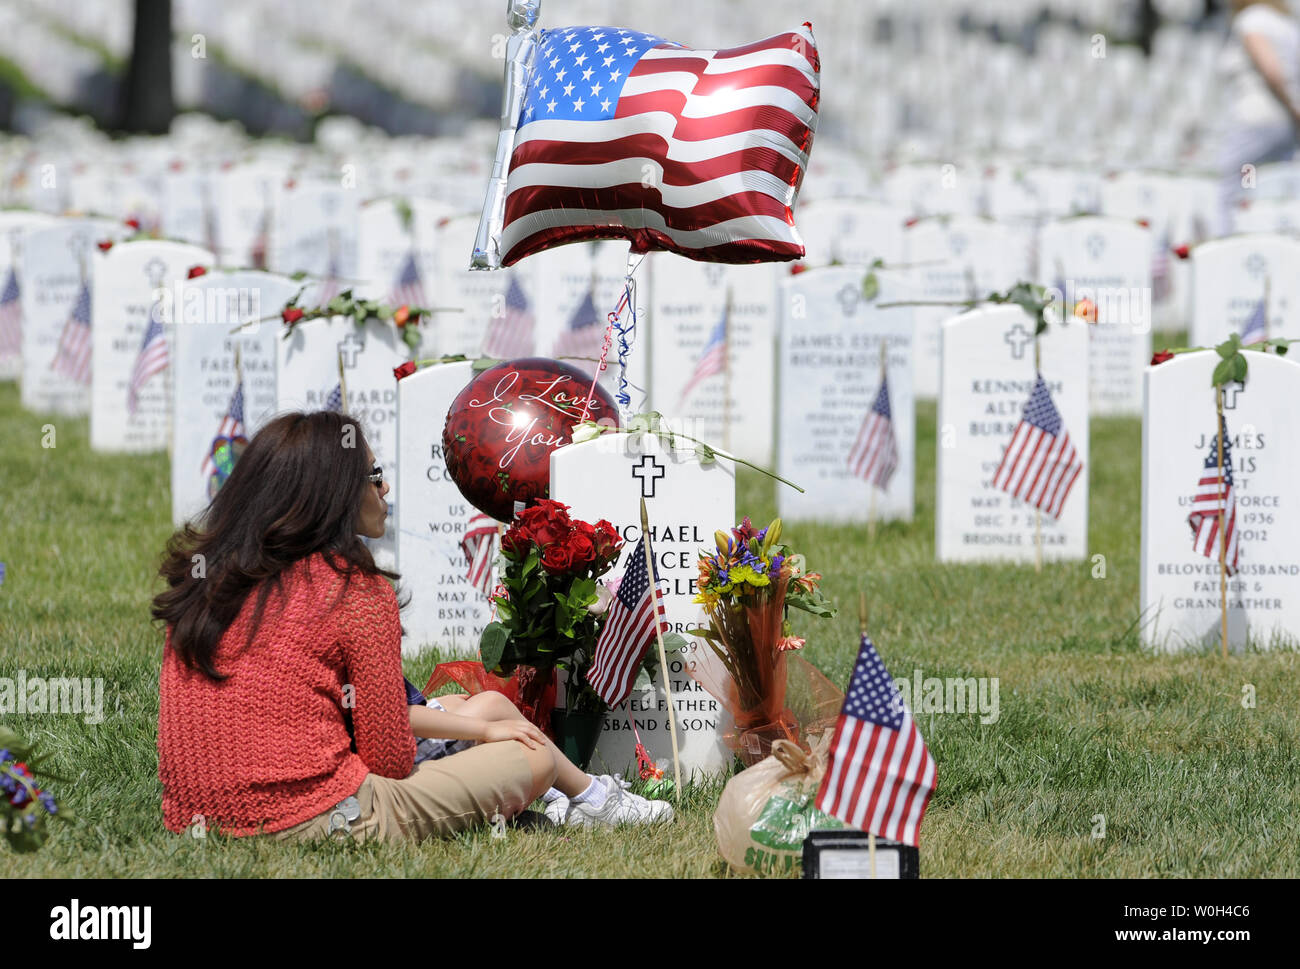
pixel 268 747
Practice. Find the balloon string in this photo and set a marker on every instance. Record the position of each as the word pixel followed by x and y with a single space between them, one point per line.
pixel 627 300
pixel 625 333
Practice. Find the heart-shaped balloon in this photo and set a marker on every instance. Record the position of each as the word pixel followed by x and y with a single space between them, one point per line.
pixel 503 426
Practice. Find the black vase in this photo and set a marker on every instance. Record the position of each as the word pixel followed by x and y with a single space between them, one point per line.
pixel 576 734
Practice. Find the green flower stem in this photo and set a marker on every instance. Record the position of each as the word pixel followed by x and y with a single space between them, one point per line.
pixel 968 303
pixel 730 457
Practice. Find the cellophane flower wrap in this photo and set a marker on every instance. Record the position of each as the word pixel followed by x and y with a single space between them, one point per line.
pixel 747 585
pixel 549 606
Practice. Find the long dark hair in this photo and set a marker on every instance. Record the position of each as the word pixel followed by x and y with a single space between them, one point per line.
pixel 295 491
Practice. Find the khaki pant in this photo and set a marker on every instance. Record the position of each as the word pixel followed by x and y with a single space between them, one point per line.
pixel 439 797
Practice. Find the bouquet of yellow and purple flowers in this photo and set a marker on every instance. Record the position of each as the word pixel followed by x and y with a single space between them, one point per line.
pixel 747 586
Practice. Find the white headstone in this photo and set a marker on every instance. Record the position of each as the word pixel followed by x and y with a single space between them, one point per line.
pixel 1180 588
pixel 1281 216
pixel 686 503
pixel 397 251
pixel 1230 278
pixel 13 227
pixel 445 610
pixel 982 249
pixel 1108 262
pixel 57 345
pixel 851 231
pixel 478 297
pixel 189 206
pixel 1066 191
pixel 245 197
pixel 307 372
pixel 829 361
pixel 690 381
pixel 988 374
pixel 204 374
pixel 315 231
pixel 932 189
pixel 132 310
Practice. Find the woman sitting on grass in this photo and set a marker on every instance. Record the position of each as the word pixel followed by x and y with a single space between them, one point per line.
pixel 283 707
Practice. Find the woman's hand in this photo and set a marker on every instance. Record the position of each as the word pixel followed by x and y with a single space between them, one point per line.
pixel 526 733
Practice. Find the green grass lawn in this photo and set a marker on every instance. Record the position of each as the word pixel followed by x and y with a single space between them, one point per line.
pixel 1188 781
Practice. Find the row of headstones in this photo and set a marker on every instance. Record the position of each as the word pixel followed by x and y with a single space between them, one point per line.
pixel 835 347
pixel 554 304
pixel 988 368
pixel 818 316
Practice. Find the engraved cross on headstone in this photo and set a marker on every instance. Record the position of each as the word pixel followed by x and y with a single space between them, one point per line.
pixel 649 471
pixel 1018 338
pixel 848 296
pixel 79 246
pixel 349 347
pixel 1256 264
pixel 1096 245
pixel 156 270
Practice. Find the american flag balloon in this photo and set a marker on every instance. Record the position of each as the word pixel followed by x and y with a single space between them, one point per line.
pixel 619 134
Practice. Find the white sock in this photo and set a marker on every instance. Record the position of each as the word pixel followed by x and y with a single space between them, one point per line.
pixel 553 795
pixel 594 795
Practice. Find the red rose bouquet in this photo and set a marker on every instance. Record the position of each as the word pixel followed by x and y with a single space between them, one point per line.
pixel 550 608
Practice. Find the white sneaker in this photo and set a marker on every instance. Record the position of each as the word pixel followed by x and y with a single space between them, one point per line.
pixel 557 810
pixel 621 807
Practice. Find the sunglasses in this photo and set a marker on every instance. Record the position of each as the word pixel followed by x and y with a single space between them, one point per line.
pixel 376 476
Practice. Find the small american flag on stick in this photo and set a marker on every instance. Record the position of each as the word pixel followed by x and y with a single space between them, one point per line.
pixel 629 630
pixel 408 289
pixel 874 456
pixel 713 358
pixel 478 545
pixel 1040 464
pixel 1256 326
pixel 585 334
pixel 11 316
pixel 331 285
pixel 510 335
pixel 231 427
pixel 72 359
pixel 152 359
pixel 879 776
pixel 1214 491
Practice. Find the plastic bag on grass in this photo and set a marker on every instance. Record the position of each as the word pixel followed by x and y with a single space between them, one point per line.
pixel 767 810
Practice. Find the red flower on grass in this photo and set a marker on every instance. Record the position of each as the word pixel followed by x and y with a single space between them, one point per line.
pixel 134 224
pixel 291 314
